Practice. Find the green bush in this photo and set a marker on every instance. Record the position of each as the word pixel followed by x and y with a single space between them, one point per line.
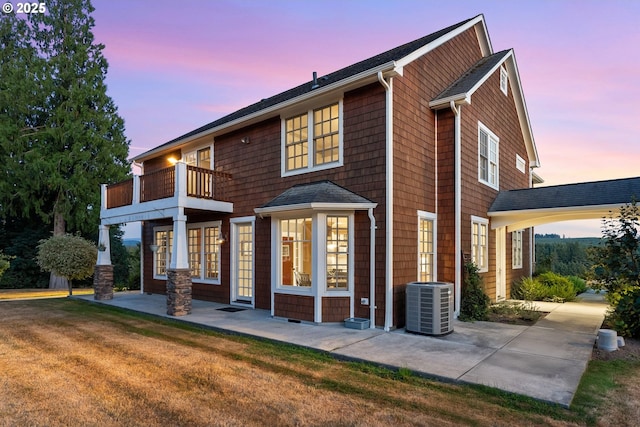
pixel 528 289
pixel 558 287
pixel 626 314
pixel 475 303
pixel 580 285
pixel 547 287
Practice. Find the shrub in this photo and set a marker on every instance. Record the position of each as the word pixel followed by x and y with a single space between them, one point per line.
pixel 626 314
pixel 580 285
pixel 528 289
pixel 4 263
pixel 557 287
pixel 69 256
pixel 475 303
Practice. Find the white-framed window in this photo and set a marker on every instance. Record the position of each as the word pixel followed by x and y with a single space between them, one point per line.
pixel 337 252
pixel 296 250
pixel 521 165
pixel 202 157
pixel 488 146
pixel 315 253
pixel 163 242
pixel 427 247
pixel 480 243
pixel 504 80
pixel 203 246
pixel 516 249
pixel 312 140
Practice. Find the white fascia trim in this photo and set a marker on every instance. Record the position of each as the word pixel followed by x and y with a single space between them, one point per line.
pixel 523 113
pixel 390 68
pixel 483 38
pixel 315 207
pixel 445 38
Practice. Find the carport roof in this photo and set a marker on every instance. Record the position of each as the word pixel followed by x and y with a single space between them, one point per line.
pixel 596 193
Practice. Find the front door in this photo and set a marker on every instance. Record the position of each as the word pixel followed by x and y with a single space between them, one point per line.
pixel 242 272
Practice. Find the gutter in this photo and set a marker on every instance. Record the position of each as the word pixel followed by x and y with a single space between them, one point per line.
pixel 388 270
pixel 457 110
pixel 372 270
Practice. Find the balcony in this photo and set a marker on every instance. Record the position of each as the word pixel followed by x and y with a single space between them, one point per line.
pixel 159 194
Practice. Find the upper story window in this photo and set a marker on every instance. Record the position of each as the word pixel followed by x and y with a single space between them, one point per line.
pixel 200 158
pixel 504 80
pixel 312 140
pixel 487 157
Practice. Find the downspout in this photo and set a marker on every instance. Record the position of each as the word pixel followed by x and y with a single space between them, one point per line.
pixel 388 270
pixel 457 206
pixel 372 270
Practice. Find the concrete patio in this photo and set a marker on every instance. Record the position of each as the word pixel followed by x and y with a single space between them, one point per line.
pixel 544 361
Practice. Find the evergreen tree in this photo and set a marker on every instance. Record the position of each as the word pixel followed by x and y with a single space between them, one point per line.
pixel 62 136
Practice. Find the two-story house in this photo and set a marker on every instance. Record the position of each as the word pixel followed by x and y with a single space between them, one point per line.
pixel 322 202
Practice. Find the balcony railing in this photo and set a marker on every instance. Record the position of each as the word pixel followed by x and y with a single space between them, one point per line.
pixel 200 183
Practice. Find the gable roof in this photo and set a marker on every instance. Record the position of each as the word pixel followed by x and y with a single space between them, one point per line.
pixel 461 90
pixel 321 194
pixel 596 193
pixel 360 73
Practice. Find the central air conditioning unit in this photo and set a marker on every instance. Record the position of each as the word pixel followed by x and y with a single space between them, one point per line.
pixel 430 308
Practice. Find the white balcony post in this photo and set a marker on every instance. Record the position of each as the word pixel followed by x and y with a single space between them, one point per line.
pixel 104 247
pixel 181 182
pixel 136 190
pixel 179 256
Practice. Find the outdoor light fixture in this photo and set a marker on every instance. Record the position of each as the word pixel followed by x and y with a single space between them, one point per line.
pixel 221 238
pixel 172 160
pixel 154 248
pixel 245 140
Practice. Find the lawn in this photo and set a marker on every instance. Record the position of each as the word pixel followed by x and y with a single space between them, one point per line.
pixel 72 363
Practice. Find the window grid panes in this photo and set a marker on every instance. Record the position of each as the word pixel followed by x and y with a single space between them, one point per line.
pixel 244 262
pixel 479 245
pixel 211 253
pixel 337 252
pixel 194 242
pixel 296 142
pixel 326 135
pixel 516 248
pixel 426 250
pixel 164 242
pixel 487 158
pixel 296 250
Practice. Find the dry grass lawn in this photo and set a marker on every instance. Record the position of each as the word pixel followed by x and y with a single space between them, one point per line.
pixel 69 363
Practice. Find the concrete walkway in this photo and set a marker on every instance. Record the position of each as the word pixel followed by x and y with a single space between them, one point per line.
pixel 545 361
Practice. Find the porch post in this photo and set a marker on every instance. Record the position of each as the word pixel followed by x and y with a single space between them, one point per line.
pixel 103 273
pixel 179 274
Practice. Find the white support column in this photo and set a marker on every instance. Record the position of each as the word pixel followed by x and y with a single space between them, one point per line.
pixel 181 183
pixel 136 190
pixel 179 256
pixel 104 246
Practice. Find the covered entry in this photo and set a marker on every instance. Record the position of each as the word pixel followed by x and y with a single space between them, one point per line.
pixel 518 209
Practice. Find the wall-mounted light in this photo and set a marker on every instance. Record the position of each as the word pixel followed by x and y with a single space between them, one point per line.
pixel 154 248
pixel 245 140
pixel 172 160
pixel 221 238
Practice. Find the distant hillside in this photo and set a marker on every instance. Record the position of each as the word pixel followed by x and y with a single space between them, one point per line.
pixel 583 241
pixel 130 242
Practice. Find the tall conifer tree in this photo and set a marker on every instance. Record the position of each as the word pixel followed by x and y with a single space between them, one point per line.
pixel 63 135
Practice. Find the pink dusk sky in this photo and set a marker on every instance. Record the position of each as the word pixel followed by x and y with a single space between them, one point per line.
pixel 177 65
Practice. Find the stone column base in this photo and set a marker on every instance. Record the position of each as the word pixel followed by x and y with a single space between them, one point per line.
pixel 103 282
pixel 178 292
